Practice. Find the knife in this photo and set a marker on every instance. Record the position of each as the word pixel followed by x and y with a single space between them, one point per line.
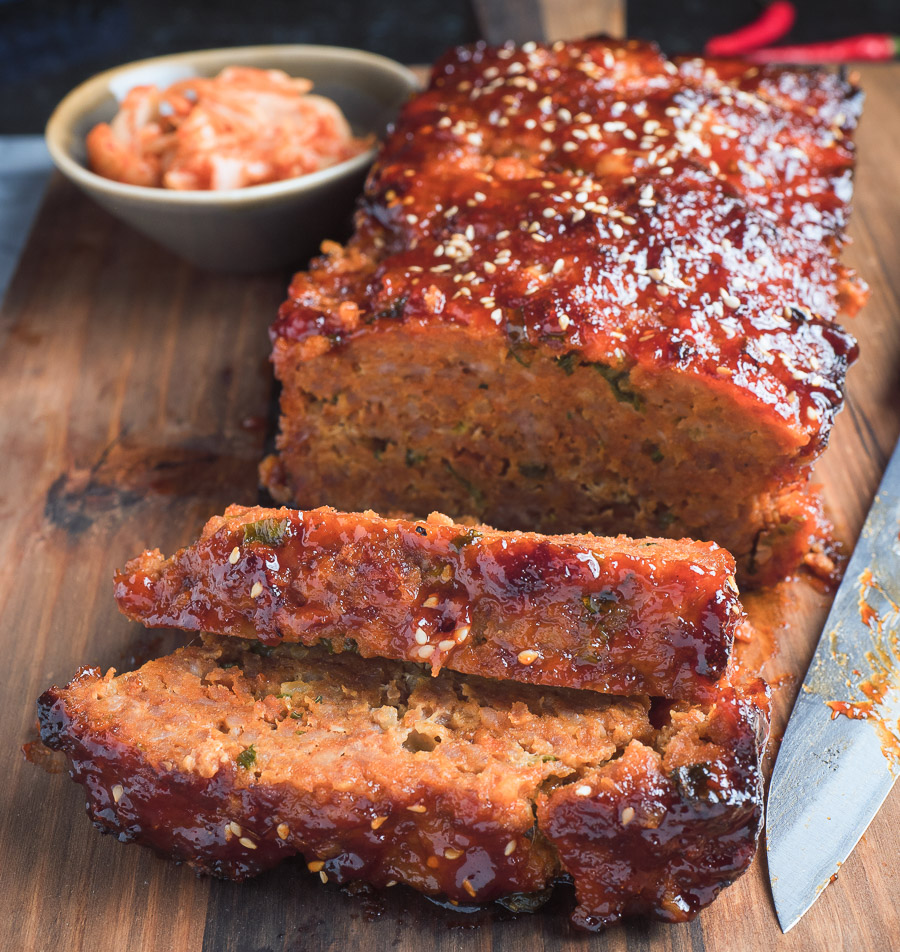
pixel 841 751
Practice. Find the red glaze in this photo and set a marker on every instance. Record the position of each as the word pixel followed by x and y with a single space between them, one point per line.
pixel 613 615
pixel 598 198
pixel 626 819
pixel 655 833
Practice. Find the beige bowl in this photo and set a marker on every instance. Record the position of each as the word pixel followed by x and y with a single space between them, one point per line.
pixel 247 229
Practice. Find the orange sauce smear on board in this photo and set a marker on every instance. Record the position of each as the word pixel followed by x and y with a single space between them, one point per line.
pixel 878 689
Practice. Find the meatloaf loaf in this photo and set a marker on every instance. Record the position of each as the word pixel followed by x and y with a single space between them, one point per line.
pixel 232 756
pixel 619 616
pixel 590 289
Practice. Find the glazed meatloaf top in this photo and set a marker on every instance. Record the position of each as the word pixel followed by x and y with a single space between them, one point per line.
pixel 619 616
pixel 609 205
pixel 232 756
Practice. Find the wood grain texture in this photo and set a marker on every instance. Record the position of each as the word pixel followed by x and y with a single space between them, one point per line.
pixel 134 393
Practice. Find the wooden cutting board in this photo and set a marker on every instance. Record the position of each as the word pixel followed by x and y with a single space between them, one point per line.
pixel 135 393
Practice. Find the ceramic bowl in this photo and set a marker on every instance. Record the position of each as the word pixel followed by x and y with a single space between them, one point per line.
pixel 260 227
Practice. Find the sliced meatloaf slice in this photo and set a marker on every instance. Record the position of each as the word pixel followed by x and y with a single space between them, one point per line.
pixel 233 756
pixel 619 616
pixel 590 289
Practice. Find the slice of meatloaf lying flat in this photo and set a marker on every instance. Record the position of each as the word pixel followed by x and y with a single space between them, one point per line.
pixel 232 756
pixel 590 289
pixel 620 616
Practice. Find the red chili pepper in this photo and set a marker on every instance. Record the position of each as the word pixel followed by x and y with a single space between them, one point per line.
pixel 867 46
pixel 774 23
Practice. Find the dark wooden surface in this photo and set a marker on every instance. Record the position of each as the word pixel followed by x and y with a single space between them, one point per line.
pixel 134 394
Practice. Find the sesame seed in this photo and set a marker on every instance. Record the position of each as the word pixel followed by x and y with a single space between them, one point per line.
pixel 417 808
pixel 564 322
pixel 257 589
pixel 489 267
pixel 656 274
pixel 617 230
pixel 479 196
pixel 118 792
pixel 235 555
pixel 729 300
pixel 497 315
pixel 812 414
pixel 283 831
pixel 510 848
pixel 431 602
pixel 234 828
pixel 583 791
pixel 323 875
pixel 378 822
pixel 469 888
pixel 446 644
pixel 426 651
pixel 724 371
pixel 528 656
pixel 421 637
pixel 558 265
pixel 627 815
pixel 248 843
pixel 451 853
pixel 461 633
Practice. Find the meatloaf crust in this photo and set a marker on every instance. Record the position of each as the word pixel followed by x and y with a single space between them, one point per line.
pixel 232 756
pixel 590 289
pixel 619 616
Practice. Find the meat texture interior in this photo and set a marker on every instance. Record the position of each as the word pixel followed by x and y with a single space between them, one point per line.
pixel 590 289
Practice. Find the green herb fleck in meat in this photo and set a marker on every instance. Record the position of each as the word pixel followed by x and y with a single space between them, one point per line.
pixel 472 489
pixel 247 757
pixel 618 382
pixel 466 538
pixel 568 362
pixel 265 531
pixel 598 602
pixel 393 311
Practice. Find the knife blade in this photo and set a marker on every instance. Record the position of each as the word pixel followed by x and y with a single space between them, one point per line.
pixel 841 750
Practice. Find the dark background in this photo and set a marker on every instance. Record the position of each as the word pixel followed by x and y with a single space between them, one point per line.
pixel 49 46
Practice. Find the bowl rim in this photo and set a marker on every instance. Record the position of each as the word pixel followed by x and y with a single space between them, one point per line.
pixel 71 108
